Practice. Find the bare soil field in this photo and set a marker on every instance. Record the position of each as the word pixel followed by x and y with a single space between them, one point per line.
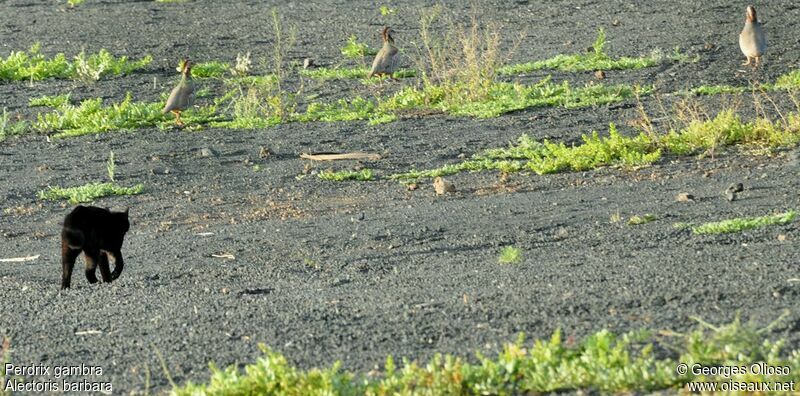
pixel 222 256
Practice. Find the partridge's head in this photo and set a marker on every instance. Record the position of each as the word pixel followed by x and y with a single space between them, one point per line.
pixel 186 66
pixel 751 14
pixel 387 34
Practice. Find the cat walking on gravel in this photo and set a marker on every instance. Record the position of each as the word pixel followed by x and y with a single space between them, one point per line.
pixel 98 233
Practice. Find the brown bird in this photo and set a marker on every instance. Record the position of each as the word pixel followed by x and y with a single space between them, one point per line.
pixel 752 40
pixel 182 96
pixel 386 59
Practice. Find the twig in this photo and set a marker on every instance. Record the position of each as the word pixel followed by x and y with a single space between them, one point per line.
pixel 345 156
pixel 19 259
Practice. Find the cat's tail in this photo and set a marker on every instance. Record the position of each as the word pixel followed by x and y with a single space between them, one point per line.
pixel 74 238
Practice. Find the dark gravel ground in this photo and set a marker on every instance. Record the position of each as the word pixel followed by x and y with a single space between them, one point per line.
pixel 355 271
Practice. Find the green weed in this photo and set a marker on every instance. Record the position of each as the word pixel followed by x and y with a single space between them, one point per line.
pixel 716 90
pixel 386 11
pixel 91 116
pixel 601 363
pixel 743 224
pixel 32 65
pixel 727 129
pixel 356 50
pixel 10 128
pixel 49 101
pixel 501 97
pixel 88 192
pixel 597 59
pixel 213 69
pixel 510 255
pixel 639 220
pixel 362 175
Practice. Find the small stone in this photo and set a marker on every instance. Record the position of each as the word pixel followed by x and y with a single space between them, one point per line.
pixel 412 186
pixel 208 152
pixel 782 237
pixel 443 186
pixel 160 171
pixel 684 197
pixel 615 22
pixel 599 74
pixel 264 152
pixel 736 187
pixel 730 195
pixel 307 62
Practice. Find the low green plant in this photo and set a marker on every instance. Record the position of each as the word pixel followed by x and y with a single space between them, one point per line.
pixel 716 90
pixel 212 69
pixel 32 65
pixel 73 3
pixel 548 157
pixel 49 101
pixel 356 50
pixel 88 192
pixel 510 255
pixel 10 128
pixel 343 110
pixel 343 175
pixel 597 59
pixel 502 97
pixel 386 11
pixel 726 129
pixel 601 363
pixel 743 224
pixel 639 220
pixel 91 116
pixel 326 74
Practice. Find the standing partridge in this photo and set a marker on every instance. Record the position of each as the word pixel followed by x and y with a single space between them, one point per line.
pixel 752 40
pixel 182 96
pixel 386 59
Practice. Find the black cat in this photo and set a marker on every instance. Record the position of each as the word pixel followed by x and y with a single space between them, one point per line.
pixel 98 232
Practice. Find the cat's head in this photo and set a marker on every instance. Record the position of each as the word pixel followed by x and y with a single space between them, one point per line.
pixel 123 222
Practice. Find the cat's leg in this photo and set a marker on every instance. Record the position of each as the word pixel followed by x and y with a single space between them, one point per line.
pixel 105 272
pixel 68 257
pixel 118 264
pixel 92 258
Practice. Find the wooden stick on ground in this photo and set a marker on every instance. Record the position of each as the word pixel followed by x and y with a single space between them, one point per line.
pixel 19 259
pixel 345 156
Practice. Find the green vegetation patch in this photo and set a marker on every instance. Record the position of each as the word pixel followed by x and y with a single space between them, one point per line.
pixel 603 362
pixel 510 255
pixel 548 157
pixel 639 220
pixel 32 65
pixel 49 101
pixel 91 116
pixel 356 50
pixel 211 69
pixel 9 127
pixel 501 97
pixel 727 129
pixel 597 59
pixel 343 175
pixel 325 74
pixel 743 224
pixel 716 90
pixel 88 192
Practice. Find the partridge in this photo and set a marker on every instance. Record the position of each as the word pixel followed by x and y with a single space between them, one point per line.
pixel 182 96
pixel 752 40
pixel 386 59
